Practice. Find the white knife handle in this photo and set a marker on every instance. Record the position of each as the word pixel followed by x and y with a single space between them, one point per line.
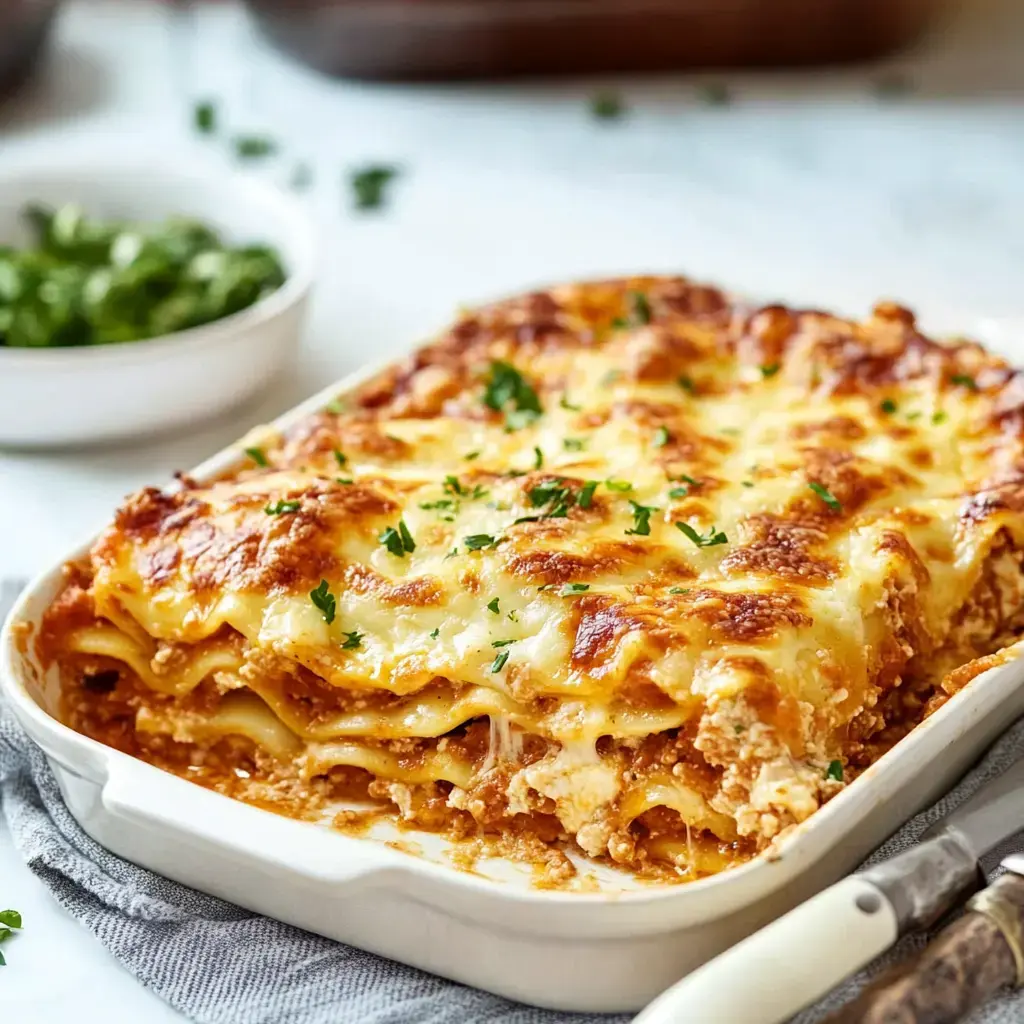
pixel 786 966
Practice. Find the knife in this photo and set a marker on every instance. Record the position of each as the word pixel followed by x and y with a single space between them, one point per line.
pixel 797 959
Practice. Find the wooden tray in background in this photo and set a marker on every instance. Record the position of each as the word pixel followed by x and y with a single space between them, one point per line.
pixel 445 39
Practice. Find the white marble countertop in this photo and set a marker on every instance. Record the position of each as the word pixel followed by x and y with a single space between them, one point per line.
pixel 806 188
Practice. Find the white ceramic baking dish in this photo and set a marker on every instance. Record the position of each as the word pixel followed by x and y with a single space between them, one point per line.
pixel 609 950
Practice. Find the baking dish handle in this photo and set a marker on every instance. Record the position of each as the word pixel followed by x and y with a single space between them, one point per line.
pixel 154 800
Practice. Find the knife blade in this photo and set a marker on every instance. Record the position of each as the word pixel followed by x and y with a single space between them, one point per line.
pixel 855 920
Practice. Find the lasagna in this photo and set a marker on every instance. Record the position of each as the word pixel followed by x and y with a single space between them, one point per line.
pixel 626 569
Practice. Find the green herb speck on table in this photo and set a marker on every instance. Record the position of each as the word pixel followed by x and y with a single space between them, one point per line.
pixel 607 105
pixel 204 117
pixel 370 185
pixel 254 147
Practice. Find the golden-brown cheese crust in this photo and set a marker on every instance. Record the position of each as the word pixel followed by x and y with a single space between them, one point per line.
pixel 761 520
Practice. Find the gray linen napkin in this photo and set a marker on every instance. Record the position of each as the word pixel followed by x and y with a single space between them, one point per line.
pixel 219 964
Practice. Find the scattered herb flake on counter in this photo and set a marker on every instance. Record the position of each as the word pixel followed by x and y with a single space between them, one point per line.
pixel 257 455
pixel 826 496
pixel 204 117
pixel 715 94
pixel 715 536
pixel 301 177
pixel 370 185
pixel 281 507
pixel 322 597
pixel 834 771
pixel 353 640
pixel 607 105
pixel 253 147
pixel 87 281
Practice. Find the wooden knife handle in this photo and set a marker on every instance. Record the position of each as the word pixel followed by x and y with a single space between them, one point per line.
pixel 968 962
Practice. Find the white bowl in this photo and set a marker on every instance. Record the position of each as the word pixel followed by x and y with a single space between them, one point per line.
pixel 70 396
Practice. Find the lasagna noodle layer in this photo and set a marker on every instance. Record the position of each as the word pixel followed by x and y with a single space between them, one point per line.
pixel 622 562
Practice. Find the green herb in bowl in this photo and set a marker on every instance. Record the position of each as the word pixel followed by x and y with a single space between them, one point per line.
pixel 88 281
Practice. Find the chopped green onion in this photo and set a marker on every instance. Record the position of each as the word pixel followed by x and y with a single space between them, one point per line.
pixel 641 519
pixel 281 507
pixel 586 495
pixel 826 496
pixel 499 662
pixel 618 485
pixel 834 771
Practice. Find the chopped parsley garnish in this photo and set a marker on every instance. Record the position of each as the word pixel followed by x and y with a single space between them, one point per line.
pixel 618 485
pixel 661 437
pixel 10 921
pixel 746 483
pixel 322 597
pixel 492 606
pixel 257 455
pixel 506 387
pixel 692 481
pixel 340 458
pixel 435 633
pixel 281 507
pixel 686 383
pixel 939 417
pixel 502 643
pixel 715 536
pixel 254 147
pixel 336 406
pixel 641 519
pixel 574 444
pixel 399 541
pixel 607 106
pixel 407 542
pixel 639 309
pixel 611 377
pixel 470 456
pixel 834 771
pixel 512 617
pixel 915 415
pixel 715 94
pixel 964 380
pixel 499 662
pixel 204 117
pixel 770 369
pixel 479 541
pixel 679 492
pixel 353 640
pixel 538 458
pixel 568 589
pixel 452 485
pixel 566 404
pixel 678 590
pixel 826 496
pixel 586 496
pixel 888 406
pixel 344 479
pixel 555 495
pixel 369 185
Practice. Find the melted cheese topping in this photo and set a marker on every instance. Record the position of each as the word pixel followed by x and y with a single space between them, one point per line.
pixel 596 516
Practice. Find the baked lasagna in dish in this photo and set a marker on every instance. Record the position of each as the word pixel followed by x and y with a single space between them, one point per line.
pixel 625 568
